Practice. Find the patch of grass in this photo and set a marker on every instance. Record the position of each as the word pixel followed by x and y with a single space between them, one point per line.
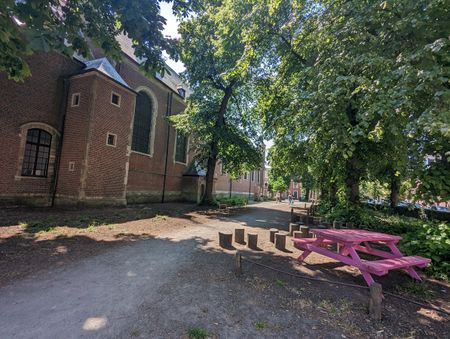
pixel 39 226
pixel 261 325
pixel 280 283
pixel 93 225
pixel 160 217
pixel 197 333
pixel 420 289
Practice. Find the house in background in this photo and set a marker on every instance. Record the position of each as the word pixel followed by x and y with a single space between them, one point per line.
pixel 295 189
pixel 249 185
pixel 88 131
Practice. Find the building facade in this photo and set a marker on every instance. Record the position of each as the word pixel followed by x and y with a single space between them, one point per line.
pixel 90 132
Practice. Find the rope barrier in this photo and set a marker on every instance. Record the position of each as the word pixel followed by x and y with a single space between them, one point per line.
pixel 345 284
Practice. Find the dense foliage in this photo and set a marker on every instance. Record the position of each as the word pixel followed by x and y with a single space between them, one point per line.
pixel 430 239
pixel 69 26
pixel 357 91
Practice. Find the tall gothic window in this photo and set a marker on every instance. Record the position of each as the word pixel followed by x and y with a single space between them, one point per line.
pixel 181 148
pixel 142 124
pixel 37 153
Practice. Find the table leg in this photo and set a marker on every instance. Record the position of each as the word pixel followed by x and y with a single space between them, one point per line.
pixel 358 263
pixel 307 252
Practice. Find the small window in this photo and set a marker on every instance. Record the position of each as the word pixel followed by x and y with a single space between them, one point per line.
pixel 253 175
pixel 75 99
pixel 111 139
pixel 181 148
pixel 142 125
pixel 245 176
pixel 71 166
pixel 222 168
pixel 37 153
pixel 115 99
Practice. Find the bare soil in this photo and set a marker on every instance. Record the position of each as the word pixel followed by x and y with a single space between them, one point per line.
pixel 202 291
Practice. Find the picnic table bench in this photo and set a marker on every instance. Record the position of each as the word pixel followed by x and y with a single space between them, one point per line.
pixel 351 241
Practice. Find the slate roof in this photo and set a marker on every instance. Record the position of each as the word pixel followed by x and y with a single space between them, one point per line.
pixel 104 66
pixel 195 170
pixel 172 80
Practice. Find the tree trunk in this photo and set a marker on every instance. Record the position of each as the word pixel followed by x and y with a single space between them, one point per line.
pixel 333 193
pixel 352 180
pixel 214 152
pixel 395 186
pixel 307 194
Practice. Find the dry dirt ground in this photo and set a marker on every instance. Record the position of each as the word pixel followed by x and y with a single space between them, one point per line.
pixel 157 271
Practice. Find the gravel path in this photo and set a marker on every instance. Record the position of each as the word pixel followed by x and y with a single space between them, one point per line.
pixel 178 279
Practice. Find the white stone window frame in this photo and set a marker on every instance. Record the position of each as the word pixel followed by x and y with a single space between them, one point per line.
pixel 72 100
pixel 151 147
pixel 52 156
pixel 119 96
pixel 175 150
pixel 115 139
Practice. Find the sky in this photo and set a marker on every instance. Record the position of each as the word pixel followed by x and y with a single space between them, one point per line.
pixel 171 29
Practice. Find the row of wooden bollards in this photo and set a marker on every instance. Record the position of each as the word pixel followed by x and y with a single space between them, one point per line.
pixel 226 238
pixel 277 237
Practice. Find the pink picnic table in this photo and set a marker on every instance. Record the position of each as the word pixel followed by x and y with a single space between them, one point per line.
pixel 352 241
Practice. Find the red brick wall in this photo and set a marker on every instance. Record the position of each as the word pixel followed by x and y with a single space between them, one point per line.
pixel 146 173
pixel 37 99
pixel 100 169
pixel 238 187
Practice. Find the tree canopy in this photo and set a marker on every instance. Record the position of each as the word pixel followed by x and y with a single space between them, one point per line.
pixel 356 90
pixel 69 26
pixel 220 114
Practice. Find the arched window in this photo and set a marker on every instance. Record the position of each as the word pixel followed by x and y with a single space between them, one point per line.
pixel 37 153
pixel 142 124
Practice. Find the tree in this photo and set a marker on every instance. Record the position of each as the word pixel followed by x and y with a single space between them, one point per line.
pixel 68 27
pixel 362 85
pixel 219 115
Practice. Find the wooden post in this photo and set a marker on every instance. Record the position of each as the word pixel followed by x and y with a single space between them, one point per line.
pixel 336 224
pixel 305 231
pixel 376 297
pixel 272 234
pixel 238 264
pixel 298 234
pixel 293 227
pixel 239 235
pixel 252 240
pixel 225 239
pixel 280 240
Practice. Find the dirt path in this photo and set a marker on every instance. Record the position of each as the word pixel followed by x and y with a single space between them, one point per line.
pixel 176 278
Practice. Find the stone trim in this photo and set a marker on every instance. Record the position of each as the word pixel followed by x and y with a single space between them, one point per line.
pixel 23 140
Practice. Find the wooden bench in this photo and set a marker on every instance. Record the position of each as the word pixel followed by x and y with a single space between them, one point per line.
pixel 382 267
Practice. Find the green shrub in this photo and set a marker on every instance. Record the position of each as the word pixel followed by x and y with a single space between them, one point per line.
pixel 233 201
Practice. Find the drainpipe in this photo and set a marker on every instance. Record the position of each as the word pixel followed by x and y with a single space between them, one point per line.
pixel 63 109
pixel 168 113
pixel 249 185
pixel 231 186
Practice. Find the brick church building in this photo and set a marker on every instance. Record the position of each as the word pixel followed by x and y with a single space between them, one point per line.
pixel 93 132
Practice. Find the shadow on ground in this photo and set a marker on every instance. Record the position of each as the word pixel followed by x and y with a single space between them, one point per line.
pixel 185 281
